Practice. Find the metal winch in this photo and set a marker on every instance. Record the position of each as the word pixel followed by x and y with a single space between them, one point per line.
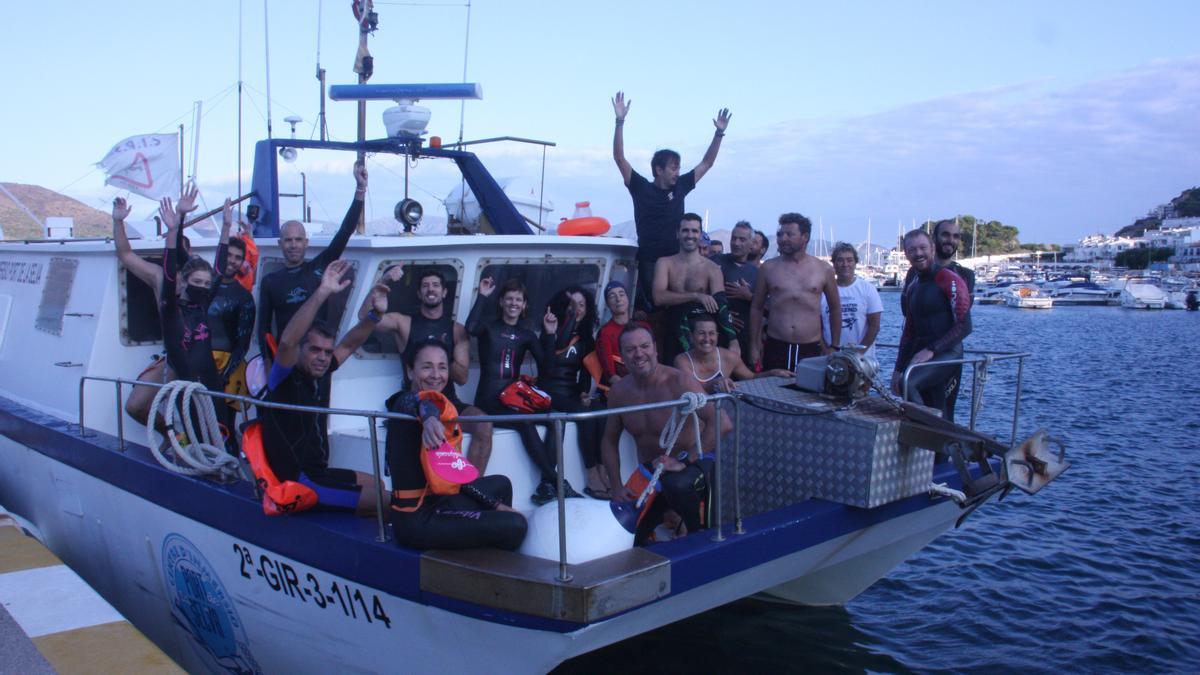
pixel 847 373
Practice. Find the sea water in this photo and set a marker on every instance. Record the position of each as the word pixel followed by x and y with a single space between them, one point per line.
pixel 1099 572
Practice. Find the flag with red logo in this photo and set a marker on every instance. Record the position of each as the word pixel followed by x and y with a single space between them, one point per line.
pixel 147 165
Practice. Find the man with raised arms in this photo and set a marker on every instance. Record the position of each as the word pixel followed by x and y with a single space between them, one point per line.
pixel 432 322
pixel 282 292
pixel 684 482
pixel 687 284
pixel 793 284
pixel 658 204
pixel 297 443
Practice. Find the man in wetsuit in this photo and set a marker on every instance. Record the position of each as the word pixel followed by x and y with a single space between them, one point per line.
pixel 687 284
pixel 658 204
pixel 432 322
pixel 231 315
pixel 793 284
pixel 282 292
pixel 297 443
pixel 937 316
pixel 739 273
pixel 685 480
pixel 947 235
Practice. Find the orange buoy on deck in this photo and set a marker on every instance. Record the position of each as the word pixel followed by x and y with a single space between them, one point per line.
pixel 588 226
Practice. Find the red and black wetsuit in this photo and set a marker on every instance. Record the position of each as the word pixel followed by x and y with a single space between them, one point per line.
pixel 421 519
pixel 937 316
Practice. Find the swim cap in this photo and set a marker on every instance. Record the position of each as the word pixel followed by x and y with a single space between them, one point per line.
pixel 615 284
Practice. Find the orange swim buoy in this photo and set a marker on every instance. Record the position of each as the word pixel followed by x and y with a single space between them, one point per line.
pixel 588 226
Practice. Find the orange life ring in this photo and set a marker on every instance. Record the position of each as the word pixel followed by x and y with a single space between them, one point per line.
pixel 589 226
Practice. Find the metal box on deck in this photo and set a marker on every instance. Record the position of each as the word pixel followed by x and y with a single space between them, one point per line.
pixel 796 445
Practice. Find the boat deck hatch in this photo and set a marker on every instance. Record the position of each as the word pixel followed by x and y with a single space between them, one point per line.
pixel 520 583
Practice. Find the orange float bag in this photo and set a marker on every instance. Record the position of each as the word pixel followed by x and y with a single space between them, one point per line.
pixel 446 468
pixel 279 497
pixel 522 397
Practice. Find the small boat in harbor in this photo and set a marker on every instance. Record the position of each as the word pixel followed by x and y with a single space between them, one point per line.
pixel 1143 293
pixel 1027 296
pixel 1080 293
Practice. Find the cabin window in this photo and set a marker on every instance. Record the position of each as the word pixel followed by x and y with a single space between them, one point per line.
pixel 403 278
pixel 336 305
pixel 543 277
pixel 139 309
pixel 56 293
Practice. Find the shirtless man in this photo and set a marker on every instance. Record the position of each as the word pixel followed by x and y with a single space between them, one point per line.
pixel 686 284
pixel 432 323
pixel 685 477
pixel 793 284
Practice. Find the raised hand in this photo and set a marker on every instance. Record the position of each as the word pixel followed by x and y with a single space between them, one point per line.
pixel 620 105
pixel 120 210
pixel 550 322
pixel 227 213
pixel 486 286
pixel 360 175
pixel 722 120
pixel 166 212
pixel 332 281
pixel 394 273
pixel 187 201
pixel 378 298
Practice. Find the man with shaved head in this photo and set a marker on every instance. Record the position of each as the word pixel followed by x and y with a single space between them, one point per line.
pixel 282 292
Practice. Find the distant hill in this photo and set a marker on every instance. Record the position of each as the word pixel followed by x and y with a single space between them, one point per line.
pixel 1187 205
pixel 89 222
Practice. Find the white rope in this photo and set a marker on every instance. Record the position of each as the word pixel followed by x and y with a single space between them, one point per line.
pixel 204 454
pixel 693 402
pixel 943 490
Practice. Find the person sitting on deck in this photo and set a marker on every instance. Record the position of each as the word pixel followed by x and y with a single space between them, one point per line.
pixel 713 366
pixel 432 321
pixel 686 284
pixel 480 514
pixel 297 443
pixel 685 480
pixel 616 298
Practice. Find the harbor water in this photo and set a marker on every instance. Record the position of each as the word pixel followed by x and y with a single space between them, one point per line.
pixel 1100 572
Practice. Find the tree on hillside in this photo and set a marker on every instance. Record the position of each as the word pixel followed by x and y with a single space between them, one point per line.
pixel 1140 258
pixel 1187 205
pixel 994 237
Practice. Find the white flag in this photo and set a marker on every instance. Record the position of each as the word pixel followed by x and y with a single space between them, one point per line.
pixel 147 165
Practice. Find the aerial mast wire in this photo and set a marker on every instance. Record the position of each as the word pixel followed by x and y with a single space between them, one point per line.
pixel 267 47
pixel 239 106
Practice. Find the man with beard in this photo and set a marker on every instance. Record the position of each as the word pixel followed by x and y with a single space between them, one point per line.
pixel 686 284
pixel 658 204
pixel 739 273
pixel 793 284
pixel 937 316
pixel 685 479
pixel 432 322
pixel 947 235
pixel 231 316
pixel 282 292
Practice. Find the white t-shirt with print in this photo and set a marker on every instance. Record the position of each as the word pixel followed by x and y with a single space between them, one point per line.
pixel 858 300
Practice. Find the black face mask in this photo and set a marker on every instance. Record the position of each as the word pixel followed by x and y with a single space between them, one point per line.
pixel 197 295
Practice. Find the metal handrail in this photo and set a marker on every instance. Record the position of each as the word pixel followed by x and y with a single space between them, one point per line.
pixel 558 419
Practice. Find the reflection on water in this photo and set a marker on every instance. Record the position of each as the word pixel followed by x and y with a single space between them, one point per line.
pixel 1100 572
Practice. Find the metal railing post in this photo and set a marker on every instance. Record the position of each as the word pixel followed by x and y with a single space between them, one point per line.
pixel 560 428
pixel 974 393
pixel 382 536
pixel 82 432
pixel 120 420
pixel 737 467
pixel 1017 401
pixel 717 497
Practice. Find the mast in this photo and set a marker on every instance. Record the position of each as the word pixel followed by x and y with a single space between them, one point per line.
pixel 239 107
pixel 364 65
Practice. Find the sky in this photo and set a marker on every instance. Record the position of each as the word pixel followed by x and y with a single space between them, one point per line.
pixel 1063 118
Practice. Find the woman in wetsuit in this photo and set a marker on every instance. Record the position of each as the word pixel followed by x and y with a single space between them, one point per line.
pixel 503 345
pixel 563 377
pixel 481 514
pixel 183 310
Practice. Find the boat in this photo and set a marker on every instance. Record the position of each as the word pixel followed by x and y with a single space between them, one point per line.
pixel 992 294
pixel 1080 293
pixel 1143 293
pixel 811 516
pixel 1027 296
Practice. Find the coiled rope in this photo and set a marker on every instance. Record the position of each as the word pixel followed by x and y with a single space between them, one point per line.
pixel 204 454
pixel 693 402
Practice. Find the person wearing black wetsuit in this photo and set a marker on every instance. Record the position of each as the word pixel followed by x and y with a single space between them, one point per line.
pixel 503 345
pixel 296 443
pixel 231 317
pixel 937 316
pixel 564 378
pixel 481 514
pixel 282 292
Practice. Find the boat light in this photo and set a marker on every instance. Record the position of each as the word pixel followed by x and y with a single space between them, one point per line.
pixel 409 212
pixel 289 154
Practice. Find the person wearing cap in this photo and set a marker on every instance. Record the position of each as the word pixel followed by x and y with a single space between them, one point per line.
pixel 705 245
pixel 616 298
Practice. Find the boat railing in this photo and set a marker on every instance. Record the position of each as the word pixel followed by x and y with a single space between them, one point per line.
pixel 557 419
pixel 980 366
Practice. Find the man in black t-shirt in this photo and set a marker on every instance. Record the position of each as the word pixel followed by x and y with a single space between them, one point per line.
pixel 297 443
pixel 658 204
pixel 740 273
